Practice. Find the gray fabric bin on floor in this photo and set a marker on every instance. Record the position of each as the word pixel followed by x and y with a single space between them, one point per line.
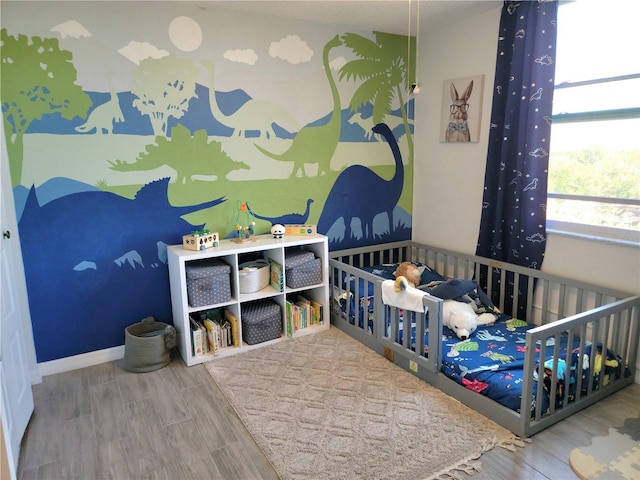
pixel 147 345
pixel 261 321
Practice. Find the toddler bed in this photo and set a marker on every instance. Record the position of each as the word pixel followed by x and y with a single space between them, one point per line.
pixel 579 341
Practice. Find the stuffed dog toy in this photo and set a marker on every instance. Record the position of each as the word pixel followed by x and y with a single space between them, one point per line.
pixel 409 271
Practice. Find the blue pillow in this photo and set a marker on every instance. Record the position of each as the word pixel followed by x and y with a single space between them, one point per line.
pixel 429 275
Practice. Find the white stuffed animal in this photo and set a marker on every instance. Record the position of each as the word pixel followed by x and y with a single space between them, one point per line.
pixel 462 318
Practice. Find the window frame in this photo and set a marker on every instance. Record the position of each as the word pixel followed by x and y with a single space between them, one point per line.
pixel 618 235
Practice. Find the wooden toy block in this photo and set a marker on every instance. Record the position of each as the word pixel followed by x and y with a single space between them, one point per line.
pixel 300 229
pixel 200 240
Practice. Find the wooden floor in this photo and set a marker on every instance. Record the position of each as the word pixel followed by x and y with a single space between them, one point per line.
pixel 102 422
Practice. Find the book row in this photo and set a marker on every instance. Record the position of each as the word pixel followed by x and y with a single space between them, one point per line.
pixel 212 330
pixel 301 313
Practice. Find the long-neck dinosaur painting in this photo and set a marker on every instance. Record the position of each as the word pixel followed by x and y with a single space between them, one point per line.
pixel 287 218
pixel 315 144
pixel 102 118
pixel 360 193
pixel 254 114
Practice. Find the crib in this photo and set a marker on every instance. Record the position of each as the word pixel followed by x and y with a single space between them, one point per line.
pixel 564 320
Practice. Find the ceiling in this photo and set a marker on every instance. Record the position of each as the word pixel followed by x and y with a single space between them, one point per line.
pixel 390 16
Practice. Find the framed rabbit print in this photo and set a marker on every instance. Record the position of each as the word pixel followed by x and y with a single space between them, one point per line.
pixel 462 109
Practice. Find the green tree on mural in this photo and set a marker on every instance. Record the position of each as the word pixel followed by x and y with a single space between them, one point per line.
pixel 37 79
pixel 164 88
pixel 187 155
pixel 386 72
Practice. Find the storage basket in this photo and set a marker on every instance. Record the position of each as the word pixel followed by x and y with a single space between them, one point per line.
pixel 296 257
pixel 147 345
pixel 261 321
pixel 305 274
pixel 208 282
pixel 253 276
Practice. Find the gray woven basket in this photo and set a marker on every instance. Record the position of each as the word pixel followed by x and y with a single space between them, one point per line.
pixel 147 345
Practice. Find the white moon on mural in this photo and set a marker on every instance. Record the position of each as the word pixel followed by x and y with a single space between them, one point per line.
pixel 185 33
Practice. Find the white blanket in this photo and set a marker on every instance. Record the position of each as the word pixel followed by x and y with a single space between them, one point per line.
pixel 407 299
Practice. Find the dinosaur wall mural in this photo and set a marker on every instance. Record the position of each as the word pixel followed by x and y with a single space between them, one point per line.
pixel 316 144
pixel 113 175
pixel 360 194
pixel 386 69
pixel 102 117
pixel 366 124
pixel 90 275
pixel 255 114
pixel 287 218
pixel 187 154
pixel 163 88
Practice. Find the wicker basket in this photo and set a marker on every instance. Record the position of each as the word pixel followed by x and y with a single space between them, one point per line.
pixel 253 276
pixel 147 345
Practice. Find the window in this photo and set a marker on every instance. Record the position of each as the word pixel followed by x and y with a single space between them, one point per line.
pixel 594 165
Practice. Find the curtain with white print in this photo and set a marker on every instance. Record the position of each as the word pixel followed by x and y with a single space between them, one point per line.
pixel 513 223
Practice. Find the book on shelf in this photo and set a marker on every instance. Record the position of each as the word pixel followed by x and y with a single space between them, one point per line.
pixel 235 327
pixel 203 336
pixel 318 312
pixel 288 306
pixel 304 309
pixel 225 334
pixel 198 338
pixel 277 275
pixel 217 338
pixel 213 336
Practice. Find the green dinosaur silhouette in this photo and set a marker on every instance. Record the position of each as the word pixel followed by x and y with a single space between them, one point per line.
pixel 187 155
pixel 315 144
pixel 255 114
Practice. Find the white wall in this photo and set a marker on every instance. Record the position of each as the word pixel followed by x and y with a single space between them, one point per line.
pixel 448 178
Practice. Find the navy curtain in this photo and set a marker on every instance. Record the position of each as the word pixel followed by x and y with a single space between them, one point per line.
pixel 512 227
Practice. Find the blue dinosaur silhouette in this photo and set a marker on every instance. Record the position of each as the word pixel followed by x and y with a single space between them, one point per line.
pixel 360 193
pixel 288 218
pixel 95 263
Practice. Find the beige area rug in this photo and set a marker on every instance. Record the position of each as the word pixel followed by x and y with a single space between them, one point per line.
pixel 324 406
pixel 615 456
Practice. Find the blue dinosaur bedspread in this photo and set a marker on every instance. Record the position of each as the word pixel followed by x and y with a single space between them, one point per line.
pixel 491 361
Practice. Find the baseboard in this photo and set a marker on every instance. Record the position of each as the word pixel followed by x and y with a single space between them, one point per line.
pixel 80 361
pixel 108 355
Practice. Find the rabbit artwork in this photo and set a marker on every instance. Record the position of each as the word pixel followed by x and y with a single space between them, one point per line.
pixel 457 128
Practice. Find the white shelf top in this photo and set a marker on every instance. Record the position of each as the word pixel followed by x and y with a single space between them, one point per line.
pixel 258 242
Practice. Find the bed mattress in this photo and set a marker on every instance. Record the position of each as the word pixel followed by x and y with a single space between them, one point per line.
pixel 490 362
